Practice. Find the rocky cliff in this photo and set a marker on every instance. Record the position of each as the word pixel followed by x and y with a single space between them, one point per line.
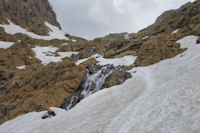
pixel 38 73
pixel 30 14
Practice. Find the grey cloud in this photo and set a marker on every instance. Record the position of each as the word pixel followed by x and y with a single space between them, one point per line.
pixel 95 18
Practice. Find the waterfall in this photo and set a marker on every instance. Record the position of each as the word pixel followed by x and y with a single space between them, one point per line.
pixel 95 81
pixel 71 103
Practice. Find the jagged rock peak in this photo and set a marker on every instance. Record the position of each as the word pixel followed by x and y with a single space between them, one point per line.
pixel 29 14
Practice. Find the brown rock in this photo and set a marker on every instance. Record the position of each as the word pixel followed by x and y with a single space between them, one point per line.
pixel 198 40
pixel 116 78
pixel 29 14
pixel 109 53
pixel 157 49
pixel 129 52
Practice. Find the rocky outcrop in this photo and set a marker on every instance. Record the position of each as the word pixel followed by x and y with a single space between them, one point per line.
pixel 36 87
pixel 186 16
pixel 39 87
pixel 29 14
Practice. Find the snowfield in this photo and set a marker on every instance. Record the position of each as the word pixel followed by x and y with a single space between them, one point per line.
pixel 54 33
pixel 161 98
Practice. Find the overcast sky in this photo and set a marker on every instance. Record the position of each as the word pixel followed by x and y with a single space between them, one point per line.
pixel 96 18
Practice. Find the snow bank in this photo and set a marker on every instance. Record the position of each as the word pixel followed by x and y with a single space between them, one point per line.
pixel 123 61
pixel 48 54
pixel 6 45
pixel 54 33
pixel 162 98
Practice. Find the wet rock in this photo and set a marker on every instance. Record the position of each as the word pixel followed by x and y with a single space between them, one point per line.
pixel 198 40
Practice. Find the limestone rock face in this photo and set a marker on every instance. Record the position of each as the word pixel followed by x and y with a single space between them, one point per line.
pixel 29 14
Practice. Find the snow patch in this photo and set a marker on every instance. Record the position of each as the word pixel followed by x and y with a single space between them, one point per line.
pixel 123 61
pixel 145 37
pixel 73 40
pixel 48 54
pixel 67 54
pixel 54 33
pixel 126 36
pixel 175 31
pixel 85 59
pixel 21 67
pixel 6 45
pixel 64 44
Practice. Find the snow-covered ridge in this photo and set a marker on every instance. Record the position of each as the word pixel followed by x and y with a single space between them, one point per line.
pixel 161 98
pixel 54 33
pixel 48 54
pixel 6 45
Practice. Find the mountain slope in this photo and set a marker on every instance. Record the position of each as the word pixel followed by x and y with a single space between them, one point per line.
pixel 49 68
pixel 29 14
pixel 159 98
pixel 30 34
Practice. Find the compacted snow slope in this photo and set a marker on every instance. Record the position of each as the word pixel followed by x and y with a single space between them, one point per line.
pixel 162 98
